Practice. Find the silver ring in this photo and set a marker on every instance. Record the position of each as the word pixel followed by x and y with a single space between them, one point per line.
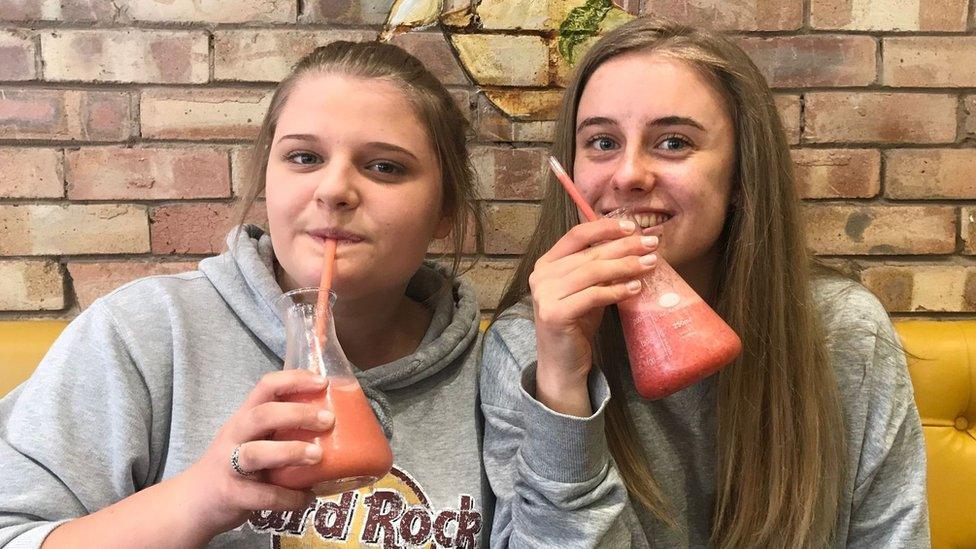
pixel 236 464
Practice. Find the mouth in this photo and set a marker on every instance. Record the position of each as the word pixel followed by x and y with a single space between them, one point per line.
pixel 339 235
pixel 647 220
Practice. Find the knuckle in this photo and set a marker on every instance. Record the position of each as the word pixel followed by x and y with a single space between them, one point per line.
pixel 259 416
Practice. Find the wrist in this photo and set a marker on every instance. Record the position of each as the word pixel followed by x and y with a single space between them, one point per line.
pixel 195 504
pixel 563 390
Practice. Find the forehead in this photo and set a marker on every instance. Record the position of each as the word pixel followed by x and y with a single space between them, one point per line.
pixel 641 84
pixel 336 101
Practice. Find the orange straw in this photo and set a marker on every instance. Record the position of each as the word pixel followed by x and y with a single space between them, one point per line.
pixel 571 189
pixel 325 284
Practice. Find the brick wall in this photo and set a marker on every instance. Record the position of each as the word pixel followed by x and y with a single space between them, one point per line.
pixel 124 125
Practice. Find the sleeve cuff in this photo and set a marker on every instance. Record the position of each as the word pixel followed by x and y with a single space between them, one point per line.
pixel 561 447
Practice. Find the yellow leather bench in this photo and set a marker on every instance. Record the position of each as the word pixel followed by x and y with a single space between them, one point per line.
pixel 942 363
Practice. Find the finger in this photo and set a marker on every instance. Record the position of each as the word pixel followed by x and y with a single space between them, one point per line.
pixel 266 418
pixel 581 303
pixel 585 235
pixel 270 454
pixel 603 272
pixel 285 382
pixel 634 245
pixel 259 496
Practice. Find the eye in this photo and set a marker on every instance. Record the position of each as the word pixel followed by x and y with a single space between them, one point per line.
pixel 302 158
pixel 386 168
pixel 601 143
pixel 674 143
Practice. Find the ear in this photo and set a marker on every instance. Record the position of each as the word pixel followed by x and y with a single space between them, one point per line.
pixel 443 227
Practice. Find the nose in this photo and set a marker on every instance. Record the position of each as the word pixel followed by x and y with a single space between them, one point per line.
pixel 336 186
pixel 634 173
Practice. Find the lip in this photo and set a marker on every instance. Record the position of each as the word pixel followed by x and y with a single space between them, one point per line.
pixel 339 235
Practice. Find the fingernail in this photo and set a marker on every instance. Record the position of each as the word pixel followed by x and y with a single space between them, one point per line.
pixel 313 453
pixel 633 285
pixel 325 416
pixel 648 259
pixel 627 226
pixel 649 241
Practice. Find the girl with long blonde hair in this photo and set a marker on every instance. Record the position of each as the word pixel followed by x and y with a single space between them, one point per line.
pixel 811 438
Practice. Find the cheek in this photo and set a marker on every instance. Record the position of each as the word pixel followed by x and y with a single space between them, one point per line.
pixel 591 180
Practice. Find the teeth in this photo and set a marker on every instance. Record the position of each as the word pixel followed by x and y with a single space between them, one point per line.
pixel 646 220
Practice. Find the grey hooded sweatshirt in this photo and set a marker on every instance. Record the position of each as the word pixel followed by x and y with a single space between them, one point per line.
pixel 557 485
pixel 135 389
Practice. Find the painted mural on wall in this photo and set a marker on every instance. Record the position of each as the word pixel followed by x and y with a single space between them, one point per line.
pixel 520 52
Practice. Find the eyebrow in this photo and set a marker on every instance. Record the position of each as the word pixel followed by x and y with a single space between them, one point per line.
pixel 374 144
pixel 664 121
pixel 298 137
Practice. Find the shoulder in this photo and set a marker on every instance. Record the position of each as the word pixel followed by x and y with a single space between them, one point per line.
pixel 513 334
pixel 862 345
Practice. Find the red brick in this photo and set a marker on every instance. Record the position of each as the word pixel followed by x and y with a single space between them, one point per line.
pixel 930 173
pixel 864 117
pixel 64 115
pixel 505 173
pixel 154 11
pixel 31 286
pixel 239 166
pixel 268 55
pixel 930 61
pixel 47 229
pixel 880 230
pixel 114 173
pixel 203 113
pixel 789 112
pixel 58 10
pixel 435 53
pixel 346 12
pixel 969 116
pixel 195 228
pixel 509 227
pixel 212 11
pixel 814 60
pixel 16 56
pixel 94 280
pixel 923 288
pixel 31 173
pixel 444 247
pixel 746 15
pixel 967 230
pixel 837 173
pixel 889 15
pixel 489 278
pixel 131 55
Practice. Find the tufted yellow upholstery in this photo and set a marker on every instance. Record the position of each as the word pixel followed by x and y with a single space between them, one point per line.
pixel 943 372
pixel 22 346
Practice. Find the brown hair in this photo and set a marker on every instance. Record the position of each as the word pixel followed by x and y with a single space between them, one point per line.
pixel 445 124
pixel 781 443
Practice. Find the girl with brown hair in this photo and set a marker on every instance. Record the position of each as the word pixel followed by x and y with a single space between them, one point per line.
pixel 810 438
pixel 150 421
